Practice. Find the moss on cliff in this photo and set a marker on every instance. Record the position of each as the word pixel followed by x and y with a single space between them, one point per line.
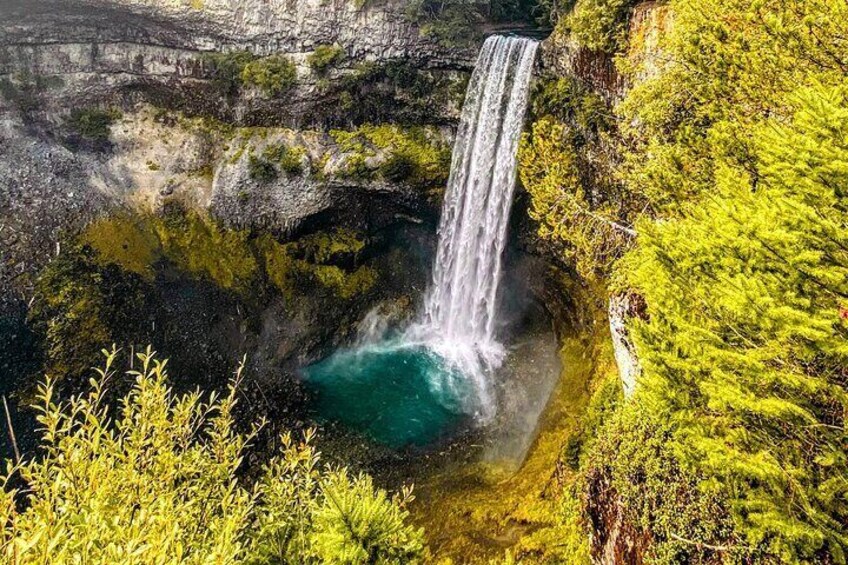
pixel 80 304
pixel 310 260
pixel 126 241
pixel 325 57
pixel 272 75
pixel 229 258
pixel 102 288
pixel 416 156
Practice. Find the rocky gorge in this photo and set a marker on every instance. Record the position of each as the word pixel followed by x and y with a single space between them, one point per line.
pixel 244 177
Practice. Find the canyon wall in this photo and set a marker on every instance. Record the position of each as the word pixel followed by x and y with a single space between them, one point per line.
pixel 149 61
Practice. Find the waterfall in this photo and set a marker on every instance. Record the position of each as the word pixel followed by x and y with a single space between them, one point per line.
pixel 459 314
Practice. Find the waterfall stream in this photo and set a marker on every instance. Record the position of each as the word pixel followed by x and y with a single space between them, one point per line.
pixel 414 386
pixel 458 321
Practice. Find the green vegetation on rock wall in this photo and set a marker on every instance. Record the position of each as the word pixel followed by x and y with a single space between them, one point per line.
pixel 272 75
pixel 325 57
pixel 99 290
pixel 92 123
pixel 415 156
pixel 599 25
pixel 395 91
pixel 567 165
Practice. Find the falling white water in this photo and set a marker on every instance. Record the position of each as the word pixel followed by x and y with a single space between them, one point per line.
pixel 458 320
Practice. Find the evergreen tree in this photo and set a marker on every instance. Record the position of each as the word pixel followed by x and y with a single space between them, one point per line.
pixel 745 346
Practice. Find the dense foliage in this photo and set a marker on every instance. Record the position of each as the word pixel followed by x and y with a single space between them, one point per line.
pixel 158 481
pixel 600 25
pixel 567 166
pixel 272 75
pixel 745 347
pixel 733 145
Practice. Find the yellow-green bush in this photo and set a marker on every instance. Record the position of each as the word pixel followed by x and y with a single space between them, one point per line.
pixel 157 481
pixel 324 57
pixel 226 68
pixel 587 228
pixel 414 155
pixel 289 159
pixel 600 25
pixel 273 75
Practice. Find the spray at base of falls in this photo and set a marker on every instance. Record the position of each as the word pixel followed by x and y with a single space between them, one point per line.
pixel 460 311
pixel 413 387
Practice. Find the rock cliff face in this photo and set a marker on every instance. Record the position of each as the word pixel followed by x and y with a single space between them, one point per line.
pixel 615 536
pixel 87 51
pixel 57 57
pixel 564 57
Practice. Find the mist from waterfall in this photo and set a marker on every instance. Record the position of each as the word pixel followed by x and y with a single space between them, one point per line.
pixel 458 320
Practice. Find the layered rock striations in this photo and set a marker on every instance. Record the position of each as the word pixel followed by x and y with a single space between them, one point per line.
pixel 89 91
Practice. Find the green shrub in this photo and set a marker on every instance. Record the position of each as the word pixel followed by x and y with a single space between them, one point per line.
pixel 745 346
pixel 260 169
pixel 414 155
pixel 738 141
pixel 357 524
pixel 570 102
pixel 93 123
pixel 227 68
pixel 158 480
pixel 324 57
pixel 273 75
pixel 600 25
pixel 585 224
pixel 290 159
